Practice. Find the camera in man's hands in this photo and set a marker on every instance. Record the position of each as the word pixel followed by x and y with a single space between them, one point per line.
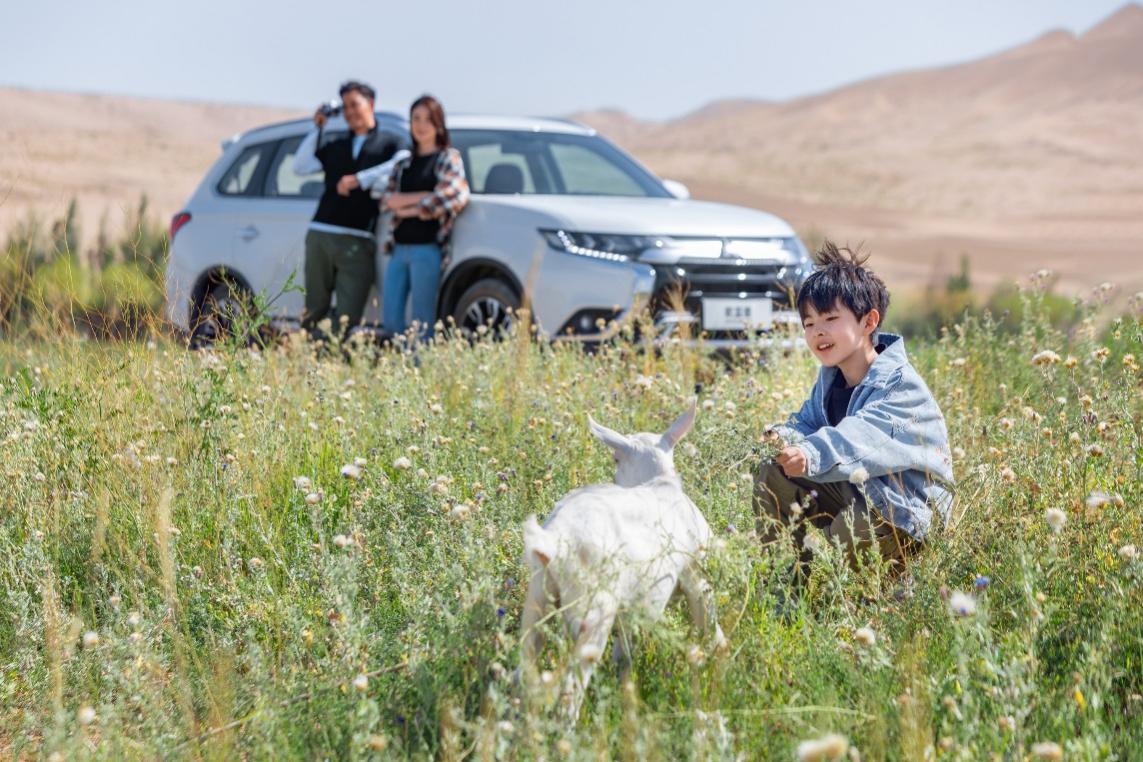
pixel 330 108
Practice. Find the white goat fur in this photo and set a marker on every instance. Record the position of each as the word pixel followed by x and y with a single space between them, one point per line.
pixel 607 549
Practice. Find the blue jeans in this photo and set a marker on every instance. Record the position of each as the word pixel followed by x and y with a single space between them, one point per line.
pixel 414 270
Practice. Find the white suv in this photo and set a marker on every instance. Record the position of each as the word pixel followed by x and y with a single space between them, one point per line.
pixel 555 208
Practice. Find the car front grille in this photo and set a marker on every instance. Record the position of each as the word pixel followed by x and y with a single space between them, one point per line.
pixel 685 284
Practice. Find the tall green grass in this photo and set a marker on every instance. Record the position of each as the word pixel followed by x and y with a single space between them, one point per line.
pixel 173 588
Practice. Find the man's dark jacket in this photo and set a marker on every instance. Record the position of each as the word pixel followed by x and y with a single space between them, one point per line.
pixel 335 152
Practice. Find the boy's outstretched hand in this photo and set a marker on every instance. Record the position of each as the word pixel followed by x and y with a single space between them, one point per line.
pixel 792 460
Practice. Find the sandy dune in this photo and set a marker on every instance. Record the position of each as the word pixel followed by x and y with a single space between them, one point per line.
pixel 1029 158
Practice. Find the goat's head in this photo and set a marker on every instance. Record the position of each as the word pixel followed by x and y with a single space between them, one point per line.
pixel 639 458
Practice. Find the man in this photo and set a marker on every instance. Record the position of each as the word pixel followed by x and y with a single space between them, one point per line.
pixel 340 247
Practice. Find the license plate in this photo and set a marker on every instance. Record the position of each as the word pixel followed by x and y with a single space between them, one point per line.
pixel 736 314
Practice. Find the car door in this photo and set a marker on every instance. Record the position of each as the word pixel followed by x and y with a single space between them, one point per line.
pixel 270 228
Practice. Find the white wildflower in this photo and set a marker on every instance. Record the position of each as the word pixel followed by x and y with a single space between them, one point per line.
pixel 313 498
pixel 696 657
pixel 1046 357
pixel 830 747
pixel 813 542
pixel 341 541
pixel 361 682
pixel 460 511
pixel 86 715
pixel 865 636
pixel 859 476
pixel 351 471
pixel 134 619
pixel 690 450
pixel 708 404
pixel 962 604
pixel 402 463
pixel 589 653
pixel 1048 750
pixel 91 637
pixel 645 382
pixel 1056 519
pixel 436 408
pixel 1096 500
pixel 1129 553
pixel 360 462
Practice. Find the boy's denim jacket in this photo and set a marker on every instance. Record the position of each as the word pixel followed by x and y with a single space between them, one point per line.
pixel 893 429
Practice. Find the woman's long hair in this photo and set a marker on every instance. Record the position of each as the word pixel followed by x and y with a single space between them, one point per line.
pixel 436 116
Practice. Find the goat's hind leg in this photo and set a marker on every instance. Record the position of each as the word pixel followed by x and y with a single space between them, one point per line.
pixel 593 632
pixel 536 606
pixel 700 601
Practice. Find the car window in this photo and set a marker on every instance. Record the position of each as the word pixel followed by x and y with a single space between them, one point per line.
pixel 483 158
pixel 585 172
pixel 240 176
pixel 528 162
pixel 281 180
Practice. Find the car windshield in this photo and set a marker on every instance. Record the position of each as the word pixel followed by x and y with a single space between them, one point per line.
pixel 539 163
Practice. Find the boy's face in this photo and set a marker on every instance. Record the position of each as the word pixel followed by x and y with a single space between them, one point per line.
pixel 837 334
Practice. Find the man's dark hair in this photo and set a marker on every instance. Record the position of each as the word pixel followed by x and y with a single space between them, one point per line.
pixel 841 276
pixel 354 86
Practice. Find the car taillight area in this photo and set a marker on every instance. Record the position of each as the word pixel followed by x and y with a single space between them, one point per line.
pixel 177 222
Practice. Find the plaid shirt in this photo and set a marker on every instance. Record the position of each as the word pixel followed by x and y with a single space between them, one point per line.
pixel 446 201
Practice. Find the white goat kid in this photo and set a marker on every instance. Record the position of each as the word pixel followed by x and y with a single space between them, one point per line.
pixel 614 548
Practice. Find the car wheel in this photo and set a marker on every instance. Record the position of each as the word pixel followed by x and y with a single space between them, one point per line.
pixel 225 311
pixel 489 302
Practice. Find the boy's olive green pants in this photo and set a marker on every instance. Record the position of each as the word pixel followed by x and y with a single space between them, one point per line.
pixel 837 508
pixel 342 264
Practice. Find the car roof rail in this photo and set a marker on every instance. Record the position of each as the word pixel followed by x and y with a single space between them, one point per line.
pixel 385 117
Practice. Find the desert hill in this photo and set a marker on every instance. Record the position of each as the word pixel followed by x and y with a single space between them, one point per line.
pixel 1034 153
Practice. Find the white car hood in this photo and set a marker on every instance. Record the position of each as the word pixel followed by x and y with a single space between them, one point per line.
pixel 644 216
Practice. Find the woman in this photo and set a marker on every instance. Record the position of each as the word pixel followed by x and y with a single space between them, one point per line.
pixel 425 194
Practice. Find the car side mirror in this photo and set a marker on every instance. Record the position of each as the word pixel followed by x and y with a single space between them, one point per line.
pixel 677 189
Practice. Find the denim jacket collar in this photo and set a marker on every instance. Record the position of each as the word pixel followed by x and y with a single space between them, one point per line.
pixel 889 362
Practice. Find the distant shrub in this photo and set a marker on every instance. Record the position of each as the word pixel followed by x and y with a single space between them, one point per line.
pixel 44 276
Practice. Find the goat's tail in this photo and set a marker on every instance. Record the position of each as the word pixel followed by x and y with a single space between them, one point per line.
pixel 539 544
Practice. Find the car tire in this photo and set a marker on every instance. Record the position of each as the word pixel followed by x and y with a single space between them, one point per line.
pixel 224 312
pixel 490 302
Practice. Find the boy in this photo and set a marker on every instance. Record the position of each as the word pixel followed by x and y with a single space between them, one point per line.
pixel 868 454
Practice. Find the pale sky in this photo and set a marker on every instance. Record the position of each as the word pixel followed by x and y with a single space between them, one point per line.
pixel 654 59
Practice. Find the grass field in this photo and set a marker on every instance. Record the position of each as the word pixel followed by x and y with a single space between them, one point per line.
pixel 187 573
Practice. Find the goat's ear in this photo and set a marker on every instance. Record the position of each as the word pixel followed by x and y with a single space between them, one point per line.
pixel 680 427
pixel 612 439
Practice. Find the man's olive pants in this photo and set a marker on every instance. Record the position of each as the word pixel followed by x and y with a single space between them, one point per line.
pixel 342 264
pixel 837 508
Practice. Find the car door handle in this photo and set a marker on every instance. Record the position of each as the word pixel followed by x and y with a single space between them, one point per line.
pixel 248 233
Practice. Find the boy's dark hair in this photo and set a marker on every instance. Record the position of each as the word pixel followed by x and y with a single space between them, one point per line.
pixel 354 86
pixel 841 276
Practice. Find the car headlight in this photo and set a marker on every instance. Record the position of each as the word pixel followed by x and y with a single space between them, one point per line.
pixel 607 246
